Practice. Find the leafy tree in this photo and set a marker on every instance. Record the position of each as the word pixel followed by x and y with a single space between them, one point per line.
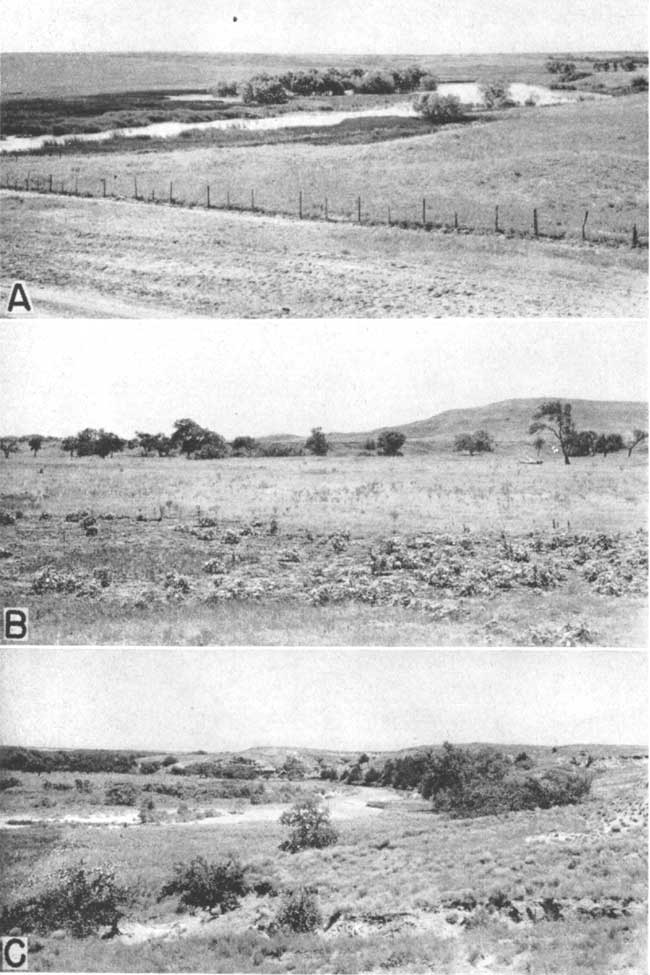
pixel 317 442
pixel 608 443
pixel 582 443
pixel 35 443
pixel 555 417
pixel 208 885
pixel 190 438
pixel 376 83
pixel 154 443
pixel 496 94
pixel 638 436
pixel 264 90
pixel 169 760
pixel 9 445
pixel 639 83
pixel 390 442
pixel 293 767
pixel 428 82
pixel 479 442
pixel 121 794
pixel 69 446
pixel 309 825
pixel 439 108
pixel 99 443
pixel 244 445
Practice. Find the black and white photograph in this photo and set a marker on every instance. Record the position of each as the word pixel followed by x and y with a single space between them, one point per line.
pixel 330 483
pixel 266 810
pixel 274 158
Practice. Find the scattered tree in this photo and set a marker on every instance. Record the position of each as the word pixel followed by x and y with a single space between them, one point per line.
pixel 608 443
pixel 638 436
pixel 317 442
pixel 555 417
pixel 299 911
pixel 390 442
pixel 192 439
pixel 208 885
pixel 439 108
pixel 9 445
pixel 310 826
pixel 479 442
pixel 496 94
pixel 69 446
pixel 244 446
pixel 35 443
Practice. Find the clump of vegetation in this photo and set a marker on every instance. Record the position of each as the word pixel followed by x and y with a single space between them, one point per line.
pixel 299 911
pixel 390 442
pixel 310 826
pixel 317 442
pixel 79 900
pixel 439 108
pixel 121 794
pixel 210 886
pixel 479 442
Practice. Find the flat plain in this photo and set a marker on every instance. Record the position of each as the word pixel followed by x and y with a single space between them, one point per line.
pixel 431 548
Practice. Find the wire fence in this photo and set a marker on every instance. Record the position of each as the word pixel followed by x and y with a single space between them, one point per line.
pixel 512 219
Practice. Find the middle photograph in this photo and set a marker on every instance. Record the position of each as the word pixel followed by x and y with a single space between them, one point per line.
pixel 325 484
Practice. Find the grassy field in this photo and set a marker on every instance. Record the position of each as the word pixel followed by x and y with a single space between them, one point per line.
pixel 559 891
pixel 432 549
pixel 561 160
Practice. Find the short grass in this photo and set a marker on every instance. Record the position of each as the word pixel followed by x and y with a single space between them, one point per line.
pixel 292 550
pixel 562 160
pixel 413 891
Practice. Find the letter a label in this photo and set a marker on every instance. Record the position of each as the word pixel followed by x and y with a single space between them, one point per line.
pixel 18 299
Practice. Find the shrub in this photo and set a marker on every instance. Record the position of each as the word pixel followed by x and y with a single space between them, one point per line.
pixel 390 442
pixel 310 826
pixel 439 108
pixel 208 885
pixel 121 794
pixel 639 83
pixel 9 783
pixel 169 760
pixel 496 94
pixel 299 911
pixel 150 767
pixel 80 900
pixel 317 442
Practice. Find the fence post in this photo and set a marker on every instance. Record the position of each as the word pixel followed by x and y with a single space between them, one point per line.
pixel 171 192
pixel 207 191
pixel 326 210
pixel 389 220
pixel 300 205
pixel 358 209
pixel 135 187
pixel 50 182
pixel 635 237
pixel 103 182
pixel 227 199
pixel 535 225
pixel 455 220
pixel 584 225
pixel 76 186
pixel 496 220
pixel 424 211
pixel 253 200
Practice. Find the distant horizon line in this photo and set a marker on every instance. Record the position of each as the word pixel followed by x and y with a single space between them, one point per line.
pixel 280 53
pixel 326 748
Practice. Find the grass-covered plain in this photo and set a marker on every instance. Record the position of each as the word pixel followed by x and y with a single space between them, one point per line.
pixel 430 548
pixel 559 891
pixel 562 160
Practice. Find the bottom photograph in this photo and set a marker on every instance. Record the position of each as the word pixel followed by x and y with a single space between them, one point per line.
pixel 330 810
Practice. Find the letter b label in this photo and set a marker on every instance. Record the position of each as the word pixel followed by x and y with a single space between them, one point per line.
pixel 15 624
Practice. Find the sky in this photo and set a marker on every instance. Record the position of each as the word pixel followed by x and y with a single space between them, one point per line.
pixel 231 699
pixel 259 378
pixel 337 26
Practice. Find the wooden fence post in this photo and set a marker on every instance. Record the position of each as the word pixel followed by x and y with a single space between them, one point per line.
pixel 326 210
pixel 496 220
pixel 424 211
pixel 253 200
pixel 535 225
pixel 635 237
pixel 207 191
pixel 171 192
pixel 455 220
pixel 389 219
pixel 584 225
pixel 300 205
pixel 227 199
pixel 50 182
pixel 358 209
pixel 103 182
pixel 135 187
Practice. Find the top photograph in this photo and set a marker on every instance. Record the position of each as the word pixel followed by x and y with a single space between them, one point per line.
pixel 277 159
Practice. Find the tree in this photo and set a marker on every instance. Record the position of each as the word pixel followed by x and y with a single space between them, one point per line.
pixel 108 444
pixel 244 445
pixel 317 442
pixel 538 444
pixel 439 108
pixel 390 442
pixel 35 443
pixel 376 83
pixel 153 443
pixel 9 445
pixel 69 446
pixel 555 417
pixel 190 438
pixel 310 826
pixel 264 90
pixel 479 442
pixel 608 443
pixel 638 436
pixel 496 94
pixel 209 885
pixel 582 443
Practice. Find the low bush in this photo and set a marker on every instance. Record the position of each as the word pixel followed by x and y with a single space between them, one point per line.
pixel 208 885
pixel 121 794
pixel 79 900
pixel 299 911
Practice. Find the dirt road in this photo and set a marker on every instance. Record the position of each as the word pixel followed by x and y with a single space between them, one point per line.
pixel 105 259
